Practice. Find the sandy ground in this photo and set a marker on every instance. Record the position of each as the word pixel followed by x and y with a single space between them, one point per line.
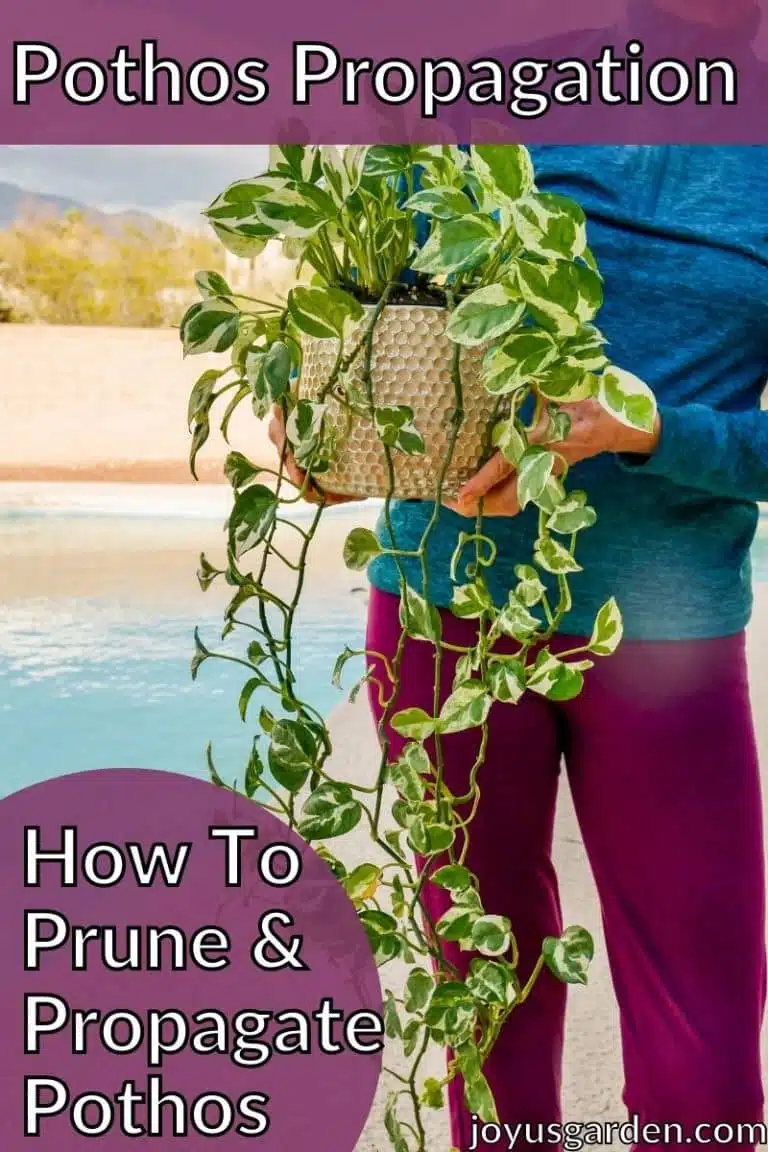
pixel 106 404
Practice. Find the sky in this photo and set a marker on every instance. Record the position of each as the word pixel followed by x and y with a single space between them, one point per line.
pixel 170 182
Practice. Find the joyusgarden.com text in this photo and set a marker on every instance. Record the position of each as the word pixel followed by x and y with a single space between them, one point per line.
pixel 526 88
pixel 249 1038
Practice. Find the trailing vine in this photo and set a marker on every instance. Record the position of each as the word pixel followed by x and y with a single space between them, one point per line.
pixel 511 268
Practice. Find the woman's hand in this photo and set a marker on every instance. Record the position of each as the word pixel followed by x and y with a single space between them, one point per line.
pixel 296 475
pixel 592 431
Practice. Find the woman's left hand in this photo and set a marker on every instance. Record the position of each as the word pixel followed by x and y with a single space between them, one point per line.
pixel 592 431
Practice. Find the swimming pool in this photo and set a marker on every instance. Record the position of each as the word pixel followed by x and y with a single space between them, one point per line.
pixel 97 614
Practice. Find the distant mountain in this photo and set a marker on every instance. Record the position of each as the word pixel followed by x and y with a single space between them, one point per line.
pixel 17 204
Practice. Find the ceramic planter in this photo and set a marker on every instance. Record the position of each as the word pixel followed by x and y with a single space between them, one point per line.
pixel 411 365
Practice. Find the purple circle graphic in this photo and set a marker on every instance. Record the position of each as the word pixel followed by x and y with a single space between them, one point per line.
pixel 176 963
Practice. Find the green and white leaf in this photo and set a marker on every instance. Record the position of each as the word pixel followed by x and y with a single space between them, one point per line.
pixel 505 172
pixel 239 470
pixel 520 359
pixel 534 470
pixel 295 160
pixel 331 810
pixel 417 759
pixel 413 723
pixel 553 678
pixel 491 982
pixel 554 557
pixel 471 601
pixel 392 1026
pixel 247 242
pixel 304 425
pixel 585 350
pixel 561 295
pixel 420 619
pixel 455 878
pixel 342 169
pixel 457 245
pixel 451 1012
pixel 608 630
pixel 322 312
pixel 277 368
pixel 447 160
pixel 360 547
pixel 202 395
pixel 530 588
pixel 486 314
pixel 565 384
pixel 441 201
pixel 390 233
pixel 361 883
pixel 293 753
pixel 212 284
pixel 418 989
pixel 456 924
pixel 396 429
pixel 408 782
pixel 429 838
pixel 569 957
pixel 492 935
pixel 251 519
pixel 516 620
pixel 466 707
pixel 506 679
pixel 510 439
pixel 552 496
pixel 295 209
pixel 550 225
pixel 211 325
pixel 628 399
pixel 478 1097
pixel 572 515
pixel 234 218
pixel 388 160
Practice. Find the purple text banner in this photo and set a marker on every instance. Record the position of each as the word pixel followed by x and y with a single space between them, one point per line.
pixel 338 71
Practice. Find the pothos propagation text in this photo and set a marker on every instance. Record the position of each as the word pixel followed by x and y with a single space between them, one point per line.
pixel 526 88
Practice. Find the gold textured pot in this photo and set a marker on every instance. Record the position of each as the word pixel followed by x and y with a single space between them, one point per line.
pixel 411 365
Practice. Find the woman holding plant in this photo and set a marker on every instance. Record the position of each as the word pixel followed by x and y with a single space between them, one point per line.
pixel 658 744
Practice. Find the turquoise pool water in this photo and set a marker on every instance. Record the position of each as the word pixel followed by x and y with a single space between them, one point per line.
pixel 96 636
pixel 96 643
pixel 109 691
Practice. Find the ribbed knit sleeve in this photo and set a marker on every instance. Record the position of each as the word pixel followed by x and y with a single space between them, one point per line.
pixel 723 453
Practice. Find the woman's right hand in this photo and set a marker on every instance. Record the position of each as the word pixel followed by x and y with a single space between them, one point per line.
pixel 296 475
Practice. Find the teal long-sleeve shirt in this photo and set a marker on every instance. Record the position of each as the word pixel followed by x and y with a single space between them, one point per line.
pixel 681 237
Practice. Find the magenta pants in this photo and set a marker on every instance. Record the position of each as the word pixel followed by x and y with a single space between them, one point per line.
pixel 661 760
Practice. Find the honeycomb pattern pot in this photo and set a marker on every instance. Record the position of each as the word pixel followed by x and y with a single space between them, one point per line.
pixel 411 365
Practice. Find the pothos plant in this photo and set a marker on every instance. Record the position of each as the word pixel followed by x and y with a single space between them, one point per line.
pixel 512 268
